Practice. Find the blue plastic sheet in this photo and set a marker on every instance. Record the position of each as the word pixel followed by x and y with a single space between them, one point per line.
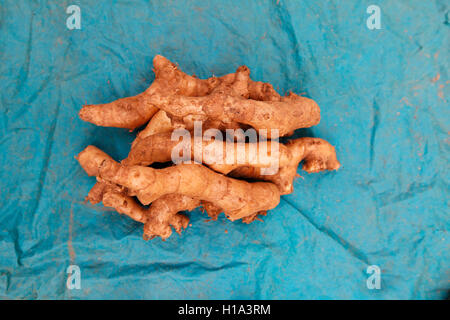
pixel 384 100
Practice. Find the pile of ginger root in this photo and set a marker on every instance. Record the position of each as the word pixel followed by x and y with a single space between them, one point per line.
pixel 217 179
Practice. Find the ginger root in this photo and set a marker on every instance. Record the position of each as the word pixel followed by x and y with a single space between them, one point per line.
pixel 157 220
pixel 317 154
pixel 135 111
pixel 235 177
pixel 228 99
pixel 230 103
pixel 237 198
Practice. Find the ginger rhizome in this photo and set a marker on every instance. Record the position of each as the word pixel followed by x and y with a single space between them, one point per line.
pixel 240 177
pixel 316 154
pixel 226 100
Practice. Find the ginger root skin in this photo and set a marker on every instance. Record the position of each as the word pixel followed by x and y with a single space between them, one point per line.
pixel 317 155
pixel 129 113
pixel 176 100
pixel 237 198
pixel 135 111
pixel 158 220
pixel 228 104
pixel 164 214
pixel 160 123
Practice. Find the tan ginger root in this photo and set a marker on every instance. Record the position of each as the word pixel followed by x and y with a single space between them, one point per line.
pixel 237 198
pixel 229 103
pixel 161 122
pixel 177 100
pixel 317 154
pixel 158 219
pixel 113 197
pixel 133 112
pixel 163 213
pixel 242 86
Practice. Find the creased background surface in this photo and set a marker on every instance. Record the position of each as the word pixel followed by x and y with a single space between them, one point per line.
pixel 384 101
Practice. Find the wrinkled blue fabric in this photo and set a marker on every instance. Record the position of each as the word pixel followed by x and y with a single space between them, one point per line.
pixel 384 105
